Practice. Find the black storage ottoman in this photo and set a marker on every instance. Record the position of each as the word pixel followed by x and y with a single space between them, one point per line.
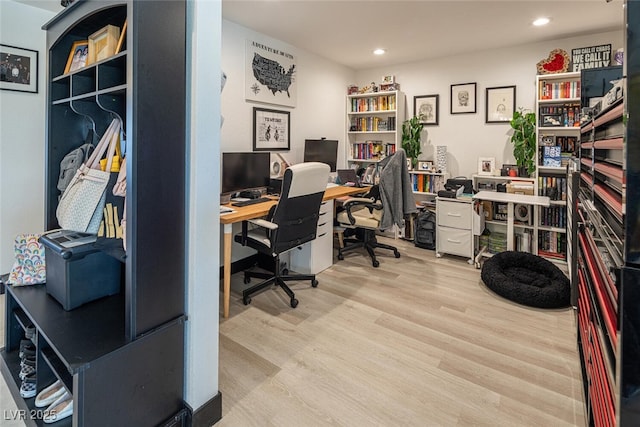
pixel 77 272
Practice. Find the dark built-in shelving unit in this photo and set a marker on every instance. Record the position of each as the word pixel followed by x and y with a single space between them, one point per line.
pixel 608 244
pixel 122 356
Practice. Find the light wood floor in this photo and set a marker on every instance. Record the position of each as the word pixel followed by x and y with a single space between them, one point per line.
pixel 419 341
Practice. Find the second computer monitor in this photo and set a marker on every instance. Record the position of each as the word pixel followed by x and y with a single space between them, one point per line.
pixel 321 150
pixel 245 171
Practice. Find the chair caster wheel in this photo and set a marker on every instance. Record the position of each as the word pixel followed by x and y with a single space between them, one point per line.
pixel 376 263
pixel 246 300
pixel 247 280
pixel 285 272
pixel 314 283
pixel 397 254
pixel 294 303
pixel 340 257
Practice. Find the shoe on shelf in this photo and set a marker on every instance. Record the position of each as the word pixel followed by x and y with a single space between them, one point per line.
pixel 28 346
pixel 30 332
pixel 26 371
pixel 28 361
pixel 60 409
pixel 50 394
pixel 27 352
pixel 28 386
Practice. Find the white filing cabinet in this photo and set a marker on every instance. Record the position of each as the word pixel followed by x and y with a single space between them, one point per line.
pixel 316 255
pixel 454 230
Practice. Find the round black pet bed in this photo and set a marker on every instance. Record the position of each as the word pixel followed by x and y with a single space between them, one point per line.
pixel 526 279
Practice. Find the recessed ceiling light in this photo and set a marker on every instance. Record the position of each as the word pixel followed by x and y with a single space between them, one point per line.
pixel 379 52
pixel 540 22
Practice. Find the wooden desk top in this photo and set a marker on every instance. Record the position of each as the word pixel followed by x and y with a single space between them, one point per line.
pixel 261 209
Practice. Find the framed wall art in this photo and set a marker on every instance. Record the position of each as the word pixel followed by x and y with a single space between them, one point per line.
pixel 270 74
pixel 426 107
pixel 463 98
pixel 18 69
pixel 500 104
pixel 271 130
pixel 486 166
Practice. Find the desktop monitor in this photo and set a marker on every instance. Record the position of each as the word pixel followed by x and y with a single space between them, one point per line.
pixel 321 150
pixel 244 171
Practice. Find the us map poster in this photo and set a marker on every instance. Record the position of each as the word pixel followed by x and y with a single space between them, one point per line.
pixel 270 75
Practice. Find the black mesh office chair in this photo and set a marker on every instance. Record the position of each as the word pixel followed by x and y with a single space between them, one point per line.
pixel 291 223
pixel 386 204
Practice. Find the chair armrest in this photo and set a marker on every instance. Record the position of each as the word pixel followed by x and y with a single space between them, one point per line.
pixel 357 200
pixel 360 201
pixel 264 223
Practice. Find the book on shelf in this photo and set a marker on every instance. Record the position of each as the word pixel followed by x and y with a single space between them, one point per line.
pixel 553 187
pixel 372 150
pixel 559 90
pixel 551 156
pixel 373 103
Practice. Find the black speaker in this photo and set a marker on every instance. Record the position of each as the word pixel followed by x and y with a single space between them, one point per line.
pixel 275 186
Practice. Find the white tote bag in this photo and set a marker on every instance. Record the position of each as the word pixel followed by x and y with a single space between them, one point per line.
pixel 80 207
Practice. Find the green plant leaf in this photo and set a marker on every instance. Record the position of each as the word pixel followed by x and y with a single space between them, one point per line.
pixel 411 132
pixel 523 124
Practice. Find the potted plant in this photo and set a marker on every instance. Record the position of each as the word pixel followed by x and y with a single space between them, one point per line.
pixel 411 130
pixel 524 141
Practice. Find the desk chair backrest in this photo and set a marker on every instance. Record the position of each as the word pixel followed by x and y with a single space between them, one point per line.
pixel 298 209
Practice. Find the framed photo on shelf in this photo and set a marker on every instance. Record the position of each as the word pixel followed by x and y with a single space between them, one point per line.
pixel 425 165
pixel 500 104
pixel 463 98
pixel 271 130
pixel 78 56
pixel 426 107
pixel 121 39
pixel 486 166
pixel 19 69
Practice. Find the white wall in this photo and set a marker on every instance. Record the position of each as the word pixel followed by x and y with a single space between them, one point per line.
pixel 319 112
pixel 22 134
pixel 466 136
pixel 203 234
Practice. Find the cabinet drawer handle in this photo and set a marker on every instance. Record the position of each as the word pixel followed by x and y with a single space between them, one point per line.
pixel 322 213
pixel 454 214
pixel 320 225
pixel 320 235
pixel 453 241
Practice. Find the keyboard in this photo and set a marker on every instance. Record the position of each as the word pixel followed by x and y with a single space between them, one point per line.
pixel 251 202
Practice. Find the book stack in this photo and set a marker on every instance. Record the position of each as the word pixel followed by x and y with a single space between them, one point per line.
pixel 497 243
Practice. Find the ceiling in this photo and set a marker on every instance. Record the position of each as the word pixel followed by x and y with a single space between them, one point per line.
pixel 346 32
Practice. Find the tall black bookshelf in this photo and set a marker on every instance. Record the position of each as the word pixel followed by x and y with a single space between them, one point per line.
pixel 122 357
pixel 608 262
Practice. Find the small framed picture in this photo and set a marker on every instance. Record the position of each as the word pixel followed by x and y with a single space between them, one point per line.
pixel 103 43
pixel 388 79
pixel 463 98
pixel 425 165
pixel 78 56
pixel 500 104
pixel 271 130
pixel 486 165
pixel 409 163
pixel 19 69
pixel 426 107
